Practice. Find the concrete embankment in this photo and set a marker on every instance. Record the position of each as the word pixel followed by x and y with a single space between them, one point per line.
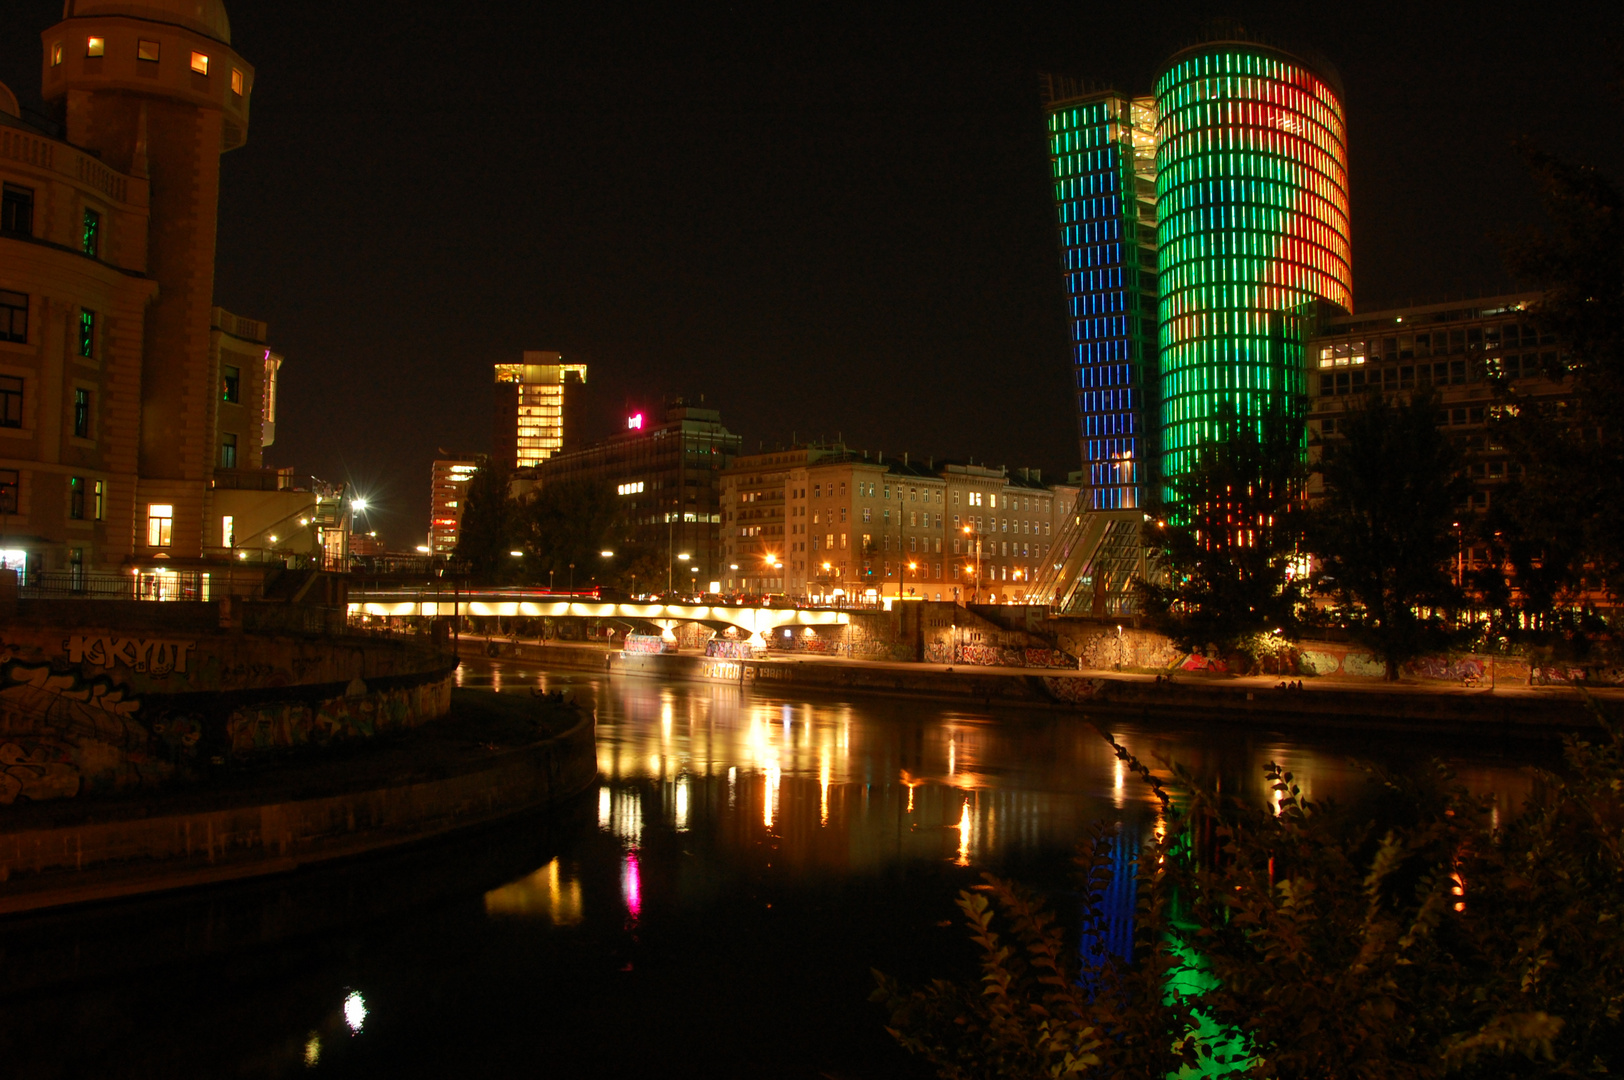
pixel 1320 704
pixel 495 756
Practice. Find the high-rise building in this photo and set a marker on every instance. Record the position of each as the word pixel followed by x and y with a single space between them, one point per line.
pixel 667 479
pixel 448 497
pixel 1252 213
pixel 533 407
pixel 1102 154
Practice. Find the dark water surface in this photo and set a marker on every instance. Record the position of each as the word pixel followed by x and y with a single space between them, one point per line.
pixel 712 908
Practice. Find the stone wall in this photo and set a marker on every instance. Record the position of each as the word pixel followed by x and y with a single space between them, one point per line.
pixel 107 704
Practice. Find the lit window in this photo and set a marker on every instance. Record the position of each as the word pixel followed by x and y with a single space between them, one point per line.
pixel 160 524
pixel 236 81
pixel 76 498
pixel 230 384
pixel 95 46
pixel 99 491
pixel 56 54
pixel 90 237
pixel 200 63
pixel 228 531
pixel 87 334
pixel 146 50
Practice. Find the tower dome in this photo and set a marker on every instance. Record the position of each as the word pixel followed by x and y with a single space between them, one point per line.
pixel 204 16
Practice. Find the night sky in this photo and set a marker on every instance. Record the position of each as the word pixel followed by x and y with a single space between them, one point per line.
pixel 825 219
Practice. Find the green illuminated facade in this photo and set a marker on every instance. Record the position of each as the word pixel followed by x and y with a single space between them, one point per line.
pixel 1252 211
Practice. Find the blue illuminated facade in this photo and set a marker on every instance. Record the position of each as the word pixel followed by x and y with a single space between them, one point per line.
pixel 1102 153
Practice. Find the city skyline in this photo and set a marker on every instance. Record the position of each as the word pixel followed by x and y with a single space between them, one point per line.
pixel 842 224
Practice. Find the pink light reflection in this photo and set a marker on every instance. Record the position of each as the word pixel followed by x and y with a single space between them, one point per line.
pixel 631 885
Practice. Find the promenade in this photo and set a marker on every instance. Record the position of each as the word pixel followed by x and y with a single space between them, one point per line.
pixel 1413 705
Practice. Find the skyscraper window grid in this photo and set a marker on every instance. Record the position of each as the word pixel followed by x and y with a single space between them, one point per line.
pixel 1103 165
pixel 1252 208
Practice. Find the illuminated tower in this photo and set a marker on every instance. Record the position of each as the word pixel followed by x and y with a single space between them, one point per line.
pixel 533 407
pixel 154 89
pixel 1102 157
pixel 1252 211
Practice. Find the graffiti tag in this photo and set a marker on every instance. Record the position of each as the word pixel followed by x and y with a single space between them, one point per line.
pixel 153 655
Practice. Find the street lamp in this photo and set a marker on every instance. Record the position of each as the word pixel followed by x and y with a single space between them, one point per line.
pixel 975 542
pixel 572 579
pixel 911 566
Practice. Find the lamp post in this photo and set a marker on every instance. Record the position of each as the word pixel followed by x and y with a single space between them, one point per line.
pixel 572 579
pixel 772 562
pixel 975 541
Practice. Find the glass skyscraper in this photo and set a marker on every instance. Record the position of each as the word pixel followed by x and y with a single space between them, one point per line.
pixel 1102 152
pixel 1252 210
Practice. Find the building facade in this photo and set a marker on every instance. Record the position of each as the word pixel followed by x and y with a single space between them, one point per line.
pixel 534 412
pixel 448 496
pixel 1102 157
pixel 668 479
pixel 828 524
pixel 1252 210
pixel 1461 350
pixel 130 406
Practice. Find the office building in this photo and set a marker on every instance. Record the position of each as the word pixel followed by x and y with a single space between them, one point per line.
pixel 1252 213
pixel 535 408
pixel 1102 154
pixel 667 477
pixel 1459 349
pixel 448 496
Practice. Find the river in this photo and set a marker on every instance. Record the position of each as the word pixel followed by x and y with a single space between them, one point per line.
pixel 714 906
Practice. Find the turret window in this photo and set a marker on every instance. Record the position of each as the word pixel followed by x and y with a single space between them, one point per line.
pixel 56 54
pixel 147 50
pixel 236 81
pixel 200 63
pixel 95 46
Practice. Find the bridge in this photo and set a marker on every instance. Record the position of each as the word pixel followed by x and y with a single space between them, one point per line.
pixel 751 620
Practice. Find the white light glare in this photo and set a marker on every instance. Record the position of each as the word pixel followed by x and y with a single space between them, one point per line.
pixel 355 1010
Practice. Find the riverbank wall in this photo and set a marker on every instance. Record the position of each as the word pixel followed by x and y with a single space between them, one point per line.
pixel 470 769
pixel 1322 703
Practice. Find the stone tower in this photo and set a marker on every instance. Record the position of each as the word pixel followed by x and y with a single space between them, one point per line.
pixel 154 87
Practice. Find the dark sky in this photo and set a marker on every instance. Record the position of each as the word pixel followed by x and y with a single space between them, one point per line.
pixel 824 218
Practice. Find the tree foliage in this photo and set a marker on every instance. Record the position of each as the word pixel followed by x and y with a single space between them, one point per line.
pixel 1404 935
pixel 1560 524
pixel 570 522
pixel 489 523
pixel 1225 547
pixel 1385 532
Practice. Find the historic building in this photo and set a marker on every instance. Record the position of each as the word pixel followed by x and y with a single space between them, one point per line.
pixel 134 412
pixel 829 523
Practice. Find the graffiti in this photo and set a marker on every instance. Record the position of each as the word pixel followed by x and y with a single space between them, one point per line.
pixel 1197 662
pixel 1457 669
pixel 721 670
pixel 44 770
pixel 152 655
pixel 1072 690
pixel 733 650
pixel 280 725
pixel 771 674
pixel 648 644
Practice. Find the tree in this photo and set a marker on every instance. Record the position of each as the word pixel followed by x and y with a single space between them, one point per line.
pixel 1560 523
pixel 1385 531
pixel 572 521
pixel 1406 934
pixel 1228 544
pixel 489 523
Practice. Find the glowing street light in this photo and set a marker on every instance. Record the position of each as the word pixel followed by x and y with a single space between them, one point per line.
pixel 606 554
pixel 517 554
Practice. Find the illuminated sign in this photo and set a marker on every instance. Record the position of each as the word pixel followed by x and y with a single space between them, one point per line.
pixel 634 422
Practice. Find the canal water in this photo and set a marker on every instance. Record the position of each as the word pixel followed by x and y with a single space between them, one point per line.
pixel 714 906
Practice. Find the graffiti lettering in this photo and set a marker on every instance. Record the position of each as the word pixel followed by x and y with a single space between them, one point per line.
pixel 152 655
